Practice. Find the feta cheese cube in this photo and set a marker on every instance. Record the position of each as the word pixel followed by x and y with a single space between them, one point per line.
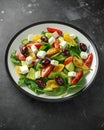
pixel 55 34
pixel 83 55
pixel 37 74
pixel 24 69
pixel 71 74
pixel 54 62
pixel 30 37
pixel 51 40
pixel 34 49
pixel 73 35
pixel 41 54
pixel 63 44
pixel 29 60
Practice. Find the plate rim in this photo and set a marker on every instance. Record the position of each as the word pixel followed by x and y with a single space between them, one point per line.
pixel 42 98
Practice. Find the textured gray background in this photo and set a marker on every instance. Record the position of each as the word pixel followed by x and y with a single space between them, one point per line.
pixel 19 112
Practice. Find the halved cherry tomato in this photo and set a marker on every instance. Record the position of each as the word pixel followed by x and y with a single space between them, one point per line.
pixel 57 43
pixel 20 56
pixel 46 70
pixel 89 59
pixel 75 79
pixel 54 30
pixel 37 44
pixel 68 60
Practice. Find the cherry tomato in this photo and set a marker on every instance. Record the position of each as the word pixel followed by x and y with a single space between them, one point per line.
pixel 57 43
pixel 68 60
pixel 37 44
pixel 54 30
pixel 75 79
pixel 46 70
pixel 89 59
pixel 20 56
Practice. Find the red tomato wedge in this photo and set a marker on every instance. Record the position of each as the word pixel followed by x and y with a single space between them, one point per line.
pixel 46 70
pixel 20 56
pixel 78 76
pixel 68 60
pixel 89 59
pixel 57 43
pixel 54 30
pixel 37 44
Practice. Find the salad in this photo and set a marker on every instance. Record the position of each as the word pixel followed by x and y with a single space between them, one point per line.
pixel 52 62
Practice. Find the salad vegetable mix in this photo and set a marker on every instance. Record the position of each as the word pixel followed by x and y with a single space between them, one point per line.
pixel 52 62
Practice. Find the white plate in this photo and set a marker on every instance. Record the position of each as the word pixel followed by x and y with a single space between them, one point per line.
pixel 36 29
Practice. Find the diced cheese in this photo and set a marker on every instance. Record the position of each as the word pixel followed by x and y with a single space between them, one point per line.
pixel 29 60
pixel 51 40
pixel 71 74
pixel 83 55
pixel 30 37
pixel 73 35
pixel 37 74
pixel 55 34
pixel 54 62
pixel 63 44
pixel 34 49
pixel 41 54
pixel 24 69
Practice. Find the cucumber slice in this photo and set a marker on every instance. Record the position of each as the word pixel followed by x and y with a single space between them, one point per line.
pixel 70 66
pixel 31 74
pixel 47 34
pixel 25 41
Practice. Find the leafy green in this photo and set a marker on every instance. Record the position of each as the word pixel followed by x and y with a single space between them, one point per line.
pixel 79 84
pixel 74 50
pixel 22 80
pixel 44 47
pixel 31 84
pixel 14 59
pixel 59 57
pixel 56 92
pixel 76 39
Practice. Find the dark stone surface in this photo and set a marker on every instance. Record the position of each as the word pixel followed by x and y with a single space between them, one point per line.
pixel 19 112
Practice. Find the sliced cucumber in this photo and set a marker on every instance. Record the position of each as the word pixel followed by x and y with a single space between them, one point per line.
pixel 23 62
pixel 70 66
pixel 47 34
pixel 25 41
pixel 31 74
pixel 61 38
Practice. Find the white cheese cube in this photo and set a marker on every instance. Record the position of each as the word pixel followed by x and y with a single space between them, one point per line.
pixel 29 60
pixel 37 74
pixel 83 55
pixel 63 44
pixel 30 37
pixel 34 49
pixel 55 34
pixel 24 69
pixel 51 40
pixel 54 62
pixel 41 54
pixel 73 35
pixel 71 74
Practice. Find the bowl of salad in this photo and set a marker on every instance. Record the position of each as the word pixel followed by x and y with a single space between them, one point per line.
pixel 51 61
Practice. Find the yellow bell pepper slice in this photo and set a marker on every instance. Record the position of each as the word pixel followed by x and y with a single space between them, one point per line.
pixel 69 39
pixel 17 69
pixel 58 68
pixel 79 63
pixel 52 84
pixel 36 37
